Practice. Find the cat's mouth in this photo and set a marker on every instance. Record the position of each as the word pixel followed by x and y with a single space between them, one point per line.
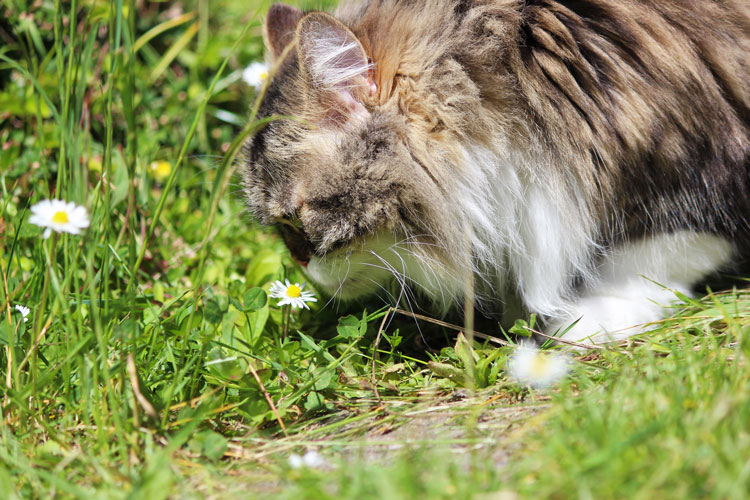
pixel 349 269
pixel 354 269
pixel 299 245
pixel 303 249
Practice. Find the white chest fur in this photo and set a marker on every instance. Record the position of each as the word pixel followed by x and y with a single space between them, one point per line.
pixel 533 232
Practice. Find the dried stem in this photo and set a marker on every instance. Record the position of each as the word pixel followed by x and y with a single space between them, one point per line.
pixel 268 398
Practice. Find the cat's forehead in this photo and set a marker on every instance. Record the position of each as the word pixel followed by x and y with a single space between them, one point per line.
pixel 288 145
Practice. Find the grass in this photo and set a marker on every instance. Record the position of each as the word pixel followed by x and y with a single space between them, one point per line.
pixel 154 366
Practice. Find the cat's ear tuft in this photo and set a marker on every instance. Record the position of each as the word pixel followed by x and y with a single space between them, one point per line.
pixel 280 27
pixel 335 62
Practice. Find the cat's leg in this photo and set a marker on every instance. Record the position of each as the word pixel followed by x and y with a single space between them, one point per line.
pixel 634 282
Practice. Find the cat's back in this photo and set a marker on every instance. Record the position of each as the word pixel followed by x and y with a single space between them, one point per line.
pixel 644 102
pixel 651 39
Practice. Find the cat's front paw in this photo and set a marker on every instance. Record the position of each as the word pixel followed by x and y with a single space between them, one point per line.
pixel 608 318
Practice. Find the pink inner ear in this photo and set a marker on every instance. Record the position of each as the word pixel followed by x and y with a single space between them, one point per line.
pixel 338 66
pixel 371 79
pixel 344 110
pixel 334 60
pixel 354 108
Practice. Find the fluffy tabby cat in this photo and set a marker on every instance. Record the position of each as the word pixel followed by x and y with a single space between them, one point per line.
pixel 575 157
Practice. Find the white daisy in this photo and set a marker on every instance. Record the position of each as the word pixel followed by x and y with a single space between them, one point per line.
pixel 532 367
pixel 24 311
pixel 255 74
pixel 311 459
pixel 59 216
pixel 291 294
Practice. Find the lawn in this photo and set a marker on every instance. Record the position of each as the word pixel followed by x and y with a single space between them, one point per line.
pixel 153 364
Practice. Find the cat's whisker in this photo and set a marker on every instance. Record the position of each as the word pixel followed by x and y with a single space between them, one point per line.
pixel 393 299
pixel 410 307
pixel 401 278
pixel 340 287
pixel 435 268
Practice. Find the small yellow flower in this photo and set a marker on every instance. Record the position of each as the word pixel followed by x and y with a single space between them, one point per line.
pixel 59 216
pixel 95 163
pixel 291 294
pixel 160 169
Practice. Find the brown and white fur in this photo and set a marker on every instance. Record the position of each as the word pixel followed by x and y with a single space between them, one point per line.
pixel 580 157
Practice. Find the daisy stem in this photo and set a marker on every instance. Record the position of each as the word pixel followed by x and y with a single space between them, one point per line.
pixel 39 315
pixel 9 349
pixel 287 313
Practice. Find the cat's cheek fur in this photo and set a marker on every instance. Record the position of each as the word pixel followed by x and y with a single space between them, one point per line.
pixel 636 283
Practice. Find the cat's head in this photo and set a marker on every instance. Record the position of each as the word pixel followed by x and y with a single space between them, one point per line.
pixel 336 170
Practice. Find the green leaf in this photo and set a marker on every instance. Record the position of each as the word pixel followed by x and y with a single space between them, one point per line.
pixel 314 401
pixel 254 408
pixel 467 355
pixel 223 365
pixel 210 444
pixel 256 324
pixel 5 333
pixel 520 327
pixel 231 318
pixel 492 376
pixel 212 311
pixel 445 370
pixel 349 327
pixel 482 372
pixel 29 231
pixel 363 324
pixel 254 299
pixel 308 342
pixel 394 339
pixel 465 351
pixel 323 379
pixel 265 264
pixel 120 180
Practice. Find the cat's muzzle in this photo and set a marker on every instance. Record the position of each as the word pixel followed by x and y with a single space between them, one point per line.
pixel 296 240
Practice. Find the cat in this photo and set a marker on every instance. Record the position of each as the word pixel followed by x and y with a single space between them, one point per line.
pixel 582 160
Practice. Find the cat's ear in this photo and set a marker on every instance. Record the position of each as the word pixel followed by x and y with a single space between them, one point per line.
pixel 280 27
pixel 336 65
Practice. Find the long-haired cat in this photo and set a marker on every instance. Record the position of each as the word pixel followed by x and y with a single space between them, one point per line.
pixel 584 158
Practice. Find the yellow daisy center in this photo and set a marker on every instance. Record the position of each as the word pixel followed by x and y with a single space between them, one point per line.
pixel 540 365
pixel 293 291
pixel 60 217
pixel 264 75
